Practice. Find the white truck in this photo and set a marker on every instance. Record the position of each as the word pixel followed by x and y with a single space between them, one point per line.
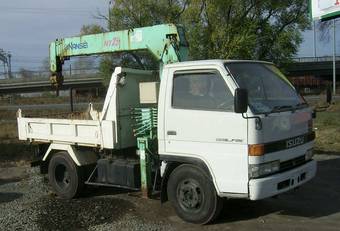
pixel 224 129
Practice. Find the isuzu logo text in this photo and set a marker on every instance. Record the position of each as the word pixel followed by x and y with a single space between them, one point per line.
pixel 295 142
pixel 77 46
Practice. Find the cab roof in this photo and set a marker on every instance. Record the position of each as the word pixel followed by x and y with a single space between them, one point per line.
pixel 213 62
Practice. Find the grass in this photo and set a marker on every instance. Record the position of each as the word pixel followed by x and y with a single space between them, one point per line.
pixel 8 131
pixel 327 124
pixel 11 149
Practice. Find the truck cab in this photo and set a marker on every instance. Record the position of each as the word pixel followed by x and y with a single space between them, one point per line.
pixel 259 152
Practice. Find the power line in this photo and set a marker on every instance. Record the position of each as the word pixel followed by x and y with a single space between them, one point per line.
pixel 55 11
pixel 41 8
pixel 30 56
pixel 54 14
pixel 26 61
pixel 49 10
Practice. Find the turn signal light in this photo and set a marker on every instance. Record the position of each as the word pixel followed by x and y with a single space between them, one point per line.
pixel 255 149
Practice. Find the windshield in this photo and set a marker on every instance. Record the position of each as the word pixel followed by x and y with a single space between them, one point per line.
pixel 268 89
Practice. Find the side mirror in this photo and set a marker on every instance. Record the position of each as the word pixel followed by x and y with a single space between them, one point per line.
pixel 241 100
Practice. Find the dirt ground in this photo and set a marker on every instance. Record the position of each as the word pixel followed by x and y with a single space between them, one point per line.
pixel 26 203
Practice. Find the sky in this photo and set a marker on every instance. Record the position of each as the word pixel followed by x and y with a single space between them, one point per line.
pixel 28 26
pixel 324 41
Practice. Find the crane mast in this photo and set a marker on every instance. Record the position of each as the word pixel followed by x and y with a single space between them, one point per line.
pixel 165 42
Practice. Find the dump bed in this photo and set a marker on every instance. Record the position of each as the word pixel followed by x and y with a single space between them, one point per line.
pixel 109 129
pixel 93 133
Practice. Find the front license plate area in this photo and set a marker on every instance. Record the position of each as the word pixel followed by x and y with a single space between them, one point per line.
pixel 292 181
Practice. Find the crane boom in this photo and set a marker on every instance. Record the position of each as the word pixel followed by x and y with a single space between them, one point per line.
pixel 166 42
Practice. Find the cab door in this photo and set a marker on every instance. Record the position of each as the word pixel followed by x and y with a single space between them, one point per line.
pixel 200 122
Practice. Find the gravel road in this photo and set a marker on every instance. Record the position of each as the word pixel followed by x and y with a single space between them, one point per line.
pixel 26 203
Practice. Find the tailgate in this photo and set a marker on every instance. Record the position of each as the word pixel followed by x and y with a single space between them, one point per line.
pixel 92 133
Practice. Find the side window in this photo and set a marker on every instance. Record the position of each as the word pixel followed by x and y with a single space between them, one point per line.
pixel 201 91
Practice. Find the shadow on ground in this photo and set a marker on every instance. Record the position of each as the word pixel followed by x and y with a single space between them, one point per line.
pixel 93 191
pixel 8 197
pixel 12 180
pixel 318 198
pixel 79 214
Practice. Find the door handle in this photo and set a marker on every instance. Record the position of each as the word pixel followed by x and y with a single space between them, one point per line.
pixel 171 133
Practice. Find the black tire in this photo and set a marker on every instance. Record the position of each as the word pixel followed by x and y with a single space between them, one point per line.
pixel 65 176
pixel 193 195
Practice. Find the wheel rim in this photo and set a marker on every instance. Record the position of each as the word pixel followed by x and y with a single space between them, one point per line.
pixel 190 195
pixel 62 176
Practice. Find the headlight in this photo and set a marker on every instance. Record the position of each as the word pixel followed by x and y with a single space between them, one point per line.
pixel 259 170
pixel 309 154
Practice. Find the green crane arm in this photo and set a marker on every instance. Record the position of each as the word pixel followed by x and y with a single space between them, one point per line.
pixel 166 42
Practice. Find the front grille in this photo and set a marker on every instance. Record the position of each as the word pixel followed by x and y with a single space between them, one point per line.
pixel 292 163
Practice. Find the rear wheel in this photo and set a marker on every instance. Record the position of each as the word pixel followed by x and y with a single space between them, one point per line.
pixel 193 195
pixel 65 176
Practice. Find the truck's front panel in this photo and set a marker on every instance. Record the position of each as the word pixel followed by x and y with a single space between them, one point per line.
pixel 280 133
pixel 281 164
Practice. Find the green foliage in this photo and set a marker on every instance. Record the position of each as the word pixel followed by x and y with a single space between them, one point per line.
pixel 244 29
pixel 227 29
pixel 224 29
pixel 106 68
pixel 127 14
pixel 328 126
pixel 91 29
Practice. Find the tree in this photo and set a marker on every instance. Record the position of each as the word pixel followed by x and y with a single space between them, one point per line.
pixel 25 73
pixel 126 14
pixel 225 29
pixel 91 29
pixel 45 65
pixel 245 29
pixel 238 29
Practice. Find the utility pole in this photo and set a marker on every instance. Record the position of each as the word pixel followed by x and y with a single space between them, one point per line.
pixel 9 65
pixel 5 58
pixel 110 26
pixel 334 58
pixel 314 39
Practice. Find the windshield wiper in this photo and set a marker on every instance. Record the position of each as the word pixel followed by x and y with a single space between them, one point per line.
pixel 301 105
pixel 282 108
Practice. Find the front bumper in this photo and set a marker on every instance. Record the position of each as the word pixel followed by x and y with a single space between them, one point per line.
pixel 282 182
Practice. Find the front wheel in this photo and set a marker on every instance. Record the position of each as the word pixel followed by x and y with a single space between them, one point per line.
pixel 65 176
pixel 193 195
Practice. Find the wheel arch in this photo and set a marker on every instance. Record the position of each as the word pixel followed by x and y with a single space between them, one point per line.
pixel 172 162
pixel 80 158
